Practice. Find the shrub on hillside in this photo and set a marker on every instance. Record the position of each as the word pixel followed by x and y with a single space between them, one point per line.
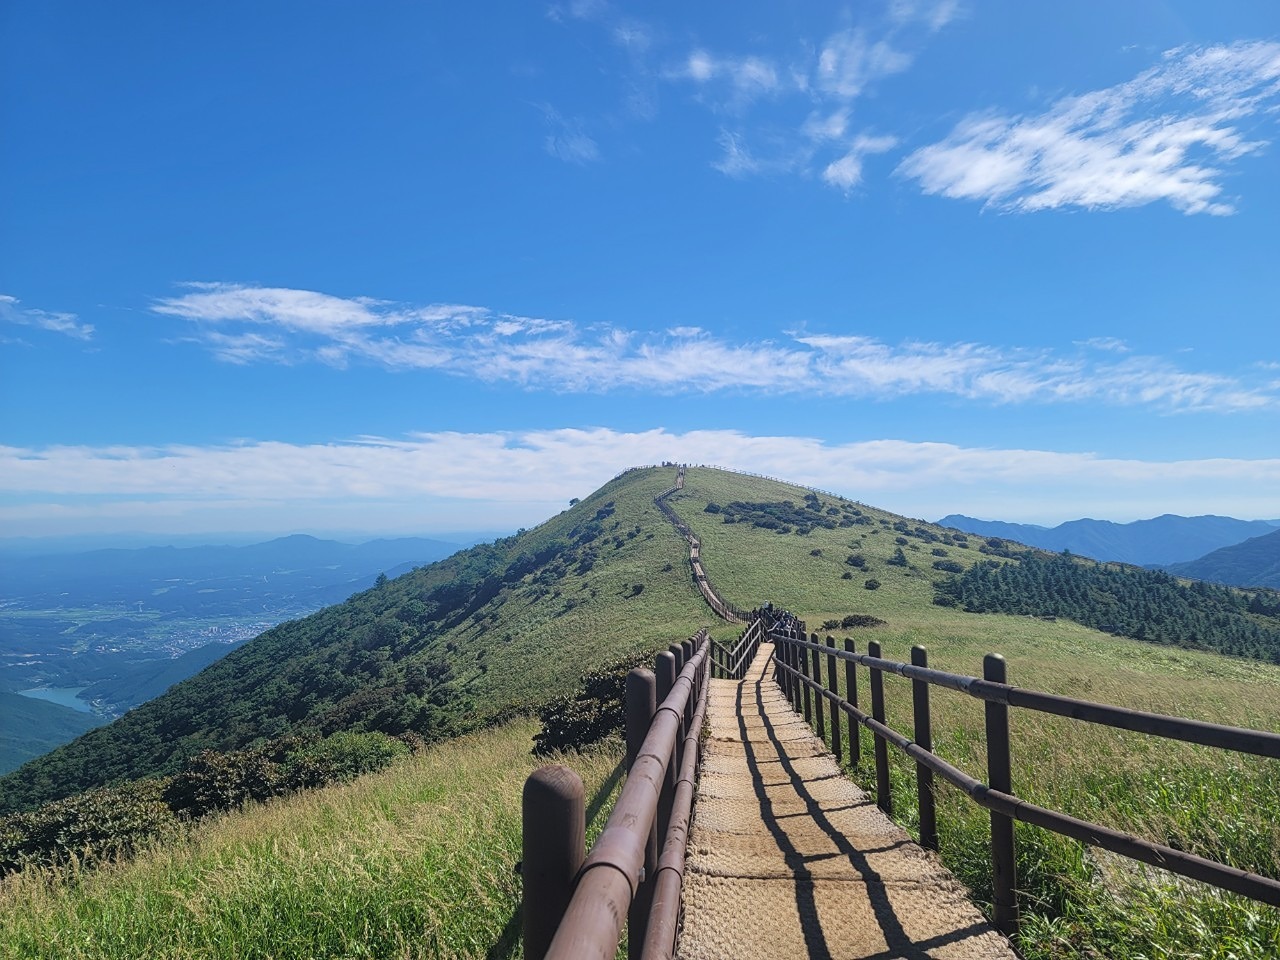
pixel 861 620
pixel 590 715
pixel 213 781
pixel 342 756
pixel 98 825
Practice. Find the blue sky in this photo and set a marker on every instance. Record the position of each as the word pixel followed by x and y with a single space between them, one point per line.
pixel 397 267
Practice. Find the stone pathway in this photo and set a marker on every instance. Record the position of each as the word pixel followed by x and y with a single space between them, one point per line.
pixel 788 859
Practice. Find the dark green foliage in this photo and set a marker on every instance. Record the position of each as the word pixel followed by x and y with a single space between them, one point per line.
pixel 111 822
pixel 899 559
pixel 97 825
pixel 781 516
pixel 872 584
pixel 847 575
pixel 213 781
pixel 996 547
pixel 861 620
pixel 1127 601
pixel 856 560
pixel 853 620
pixel 590 715
pixel 948 566
pixel 343 756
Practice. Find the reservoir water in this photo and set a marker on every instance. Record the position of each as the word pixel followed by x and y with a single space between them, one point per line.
pixel 63 695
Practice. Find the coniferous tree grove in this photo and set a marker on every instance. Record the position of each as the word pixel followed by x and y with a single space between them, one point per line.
pixel 1123 600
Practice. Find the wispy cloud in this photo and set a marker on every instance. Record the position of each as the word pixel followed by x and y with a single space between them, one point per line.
pixel 243 324
pixel 823 86
pixel 1167 135
pixel 567 140
pixel 448 481
pixel 67 324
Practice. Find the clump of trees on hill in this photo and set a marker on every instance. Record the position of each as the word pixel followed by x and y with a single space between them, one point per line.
pixel 1122 600
pixel 786 516
pixel 596 710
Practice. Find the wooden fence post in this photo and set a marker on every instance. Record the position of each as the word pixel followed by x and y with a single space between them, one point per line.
pixel 819 699
pixel 884 791
pixel 836 746
pixel 924 738
pixel 641 704
pixel 554 815
pixel 1000 777
pixel 851 694
pixel 803 657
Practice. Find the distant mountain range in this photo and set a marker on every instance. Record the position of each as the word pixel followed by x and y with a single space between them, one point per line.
pixel 211 579
pixel 1161 541
pixel 1254 563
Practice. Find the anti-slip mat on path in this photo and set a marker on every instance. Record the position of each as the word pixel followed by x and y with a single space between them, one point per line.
pixel 788 859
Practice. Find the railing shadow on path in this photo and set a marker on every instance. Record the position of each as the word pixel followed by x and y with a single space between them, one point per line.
pixel 899 943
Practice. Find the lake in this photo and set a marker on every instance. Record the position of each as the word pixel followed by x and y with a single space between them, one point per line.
pixel 63 695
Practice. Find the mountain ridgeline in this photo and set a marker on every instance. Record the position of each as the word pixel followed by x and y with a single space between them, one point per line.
pixel 504 627
pixel 1156 542
pixel 1254 563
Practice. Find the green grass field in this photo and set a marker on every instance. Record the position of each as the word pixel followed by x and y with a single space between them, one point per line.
pixel 414 862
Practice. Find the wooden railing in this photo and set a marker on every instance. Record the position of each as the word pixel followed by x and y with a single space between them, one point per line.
pixel 799 672
pixel 575 907
pixel 732 664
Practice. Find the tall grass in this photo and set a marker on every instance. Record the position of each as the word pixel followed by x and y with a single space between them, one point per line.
pixel 414 862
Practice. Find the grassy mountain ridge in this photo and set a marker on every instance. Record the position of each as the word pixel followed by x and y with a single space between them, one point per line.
pixel 492 629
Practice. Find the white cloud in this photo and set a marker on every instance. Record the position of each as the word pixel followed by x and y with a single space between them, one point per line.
pixel 450 481
pixel 837 72
pixel 561 355
pixel 849 60
pixel 744 78
pixel 67 324
pixel 846 173
pixel 1165 135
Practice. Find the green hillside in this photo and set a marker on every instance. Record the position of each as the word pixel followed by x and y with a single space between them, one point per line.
pixel 34 727
pixel 487 632
pixel 502 627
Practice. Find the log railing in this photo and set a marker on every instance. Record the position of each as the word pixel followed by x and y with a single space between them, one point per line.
pixel 799 671
pixel 732 664
pixel 575 907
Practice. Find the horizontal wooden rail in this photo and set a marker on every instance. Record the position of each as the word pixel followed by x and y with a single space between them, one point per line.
pixel 732 664
pixel 613 873
pixel 1240 739
pixel 792 666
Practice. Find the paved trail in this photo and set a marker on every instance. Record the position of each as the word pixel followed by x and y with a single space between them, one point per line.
pixel 788 859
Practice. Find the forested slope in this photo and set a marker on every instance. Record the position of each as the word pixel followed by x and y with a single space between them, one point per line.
pixel 492 629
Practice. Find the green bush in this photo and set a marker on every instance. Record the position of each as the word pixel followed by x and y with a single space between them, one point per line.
pixel 590 715
pixel 213 781
pixel 98 825
pixel 342 756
